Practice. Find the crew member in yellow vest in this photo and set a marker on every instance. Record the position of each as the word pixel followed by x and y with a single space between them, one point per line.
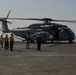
pixel 11 39
pixel 6 42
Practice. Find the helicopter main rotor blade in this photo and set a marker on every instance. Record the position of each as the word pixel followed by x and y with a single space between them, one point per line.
pixel 24 19
pixel 46 20
pixel 71 21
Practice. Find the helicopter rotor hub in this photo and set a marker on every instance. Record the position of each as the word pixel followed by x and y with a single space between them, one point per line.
pixel 47 20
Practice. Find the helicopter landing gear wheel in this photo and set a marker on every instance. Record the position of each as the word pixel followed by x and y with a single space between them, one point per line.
pixel 70 41
pixel 52 41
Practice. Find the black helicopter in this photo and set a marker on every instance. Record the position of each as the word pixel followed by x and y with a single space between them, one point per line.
pixel 58 31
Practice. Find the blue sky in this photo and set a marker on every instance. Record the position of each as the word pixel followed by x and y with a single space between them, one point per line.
pixel 55 9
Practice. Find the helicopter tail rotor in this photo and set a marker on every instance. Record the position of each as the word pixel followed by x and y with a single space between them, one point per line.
pixel 5 19
pixel 8 14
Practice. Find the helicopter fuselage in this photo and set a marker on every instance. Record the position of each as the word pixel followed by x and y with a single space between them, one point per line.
pixel 59 32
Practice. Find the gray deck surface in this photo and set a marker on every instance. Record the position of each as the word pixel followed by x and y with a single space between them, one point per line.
pixel 54 59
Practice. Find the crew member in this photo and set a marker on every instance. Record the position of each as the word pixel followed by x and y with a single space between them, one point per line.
pixel 1 39
pixel 28 40
pixel 11 39
pixel 39 41
pixel 6 42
